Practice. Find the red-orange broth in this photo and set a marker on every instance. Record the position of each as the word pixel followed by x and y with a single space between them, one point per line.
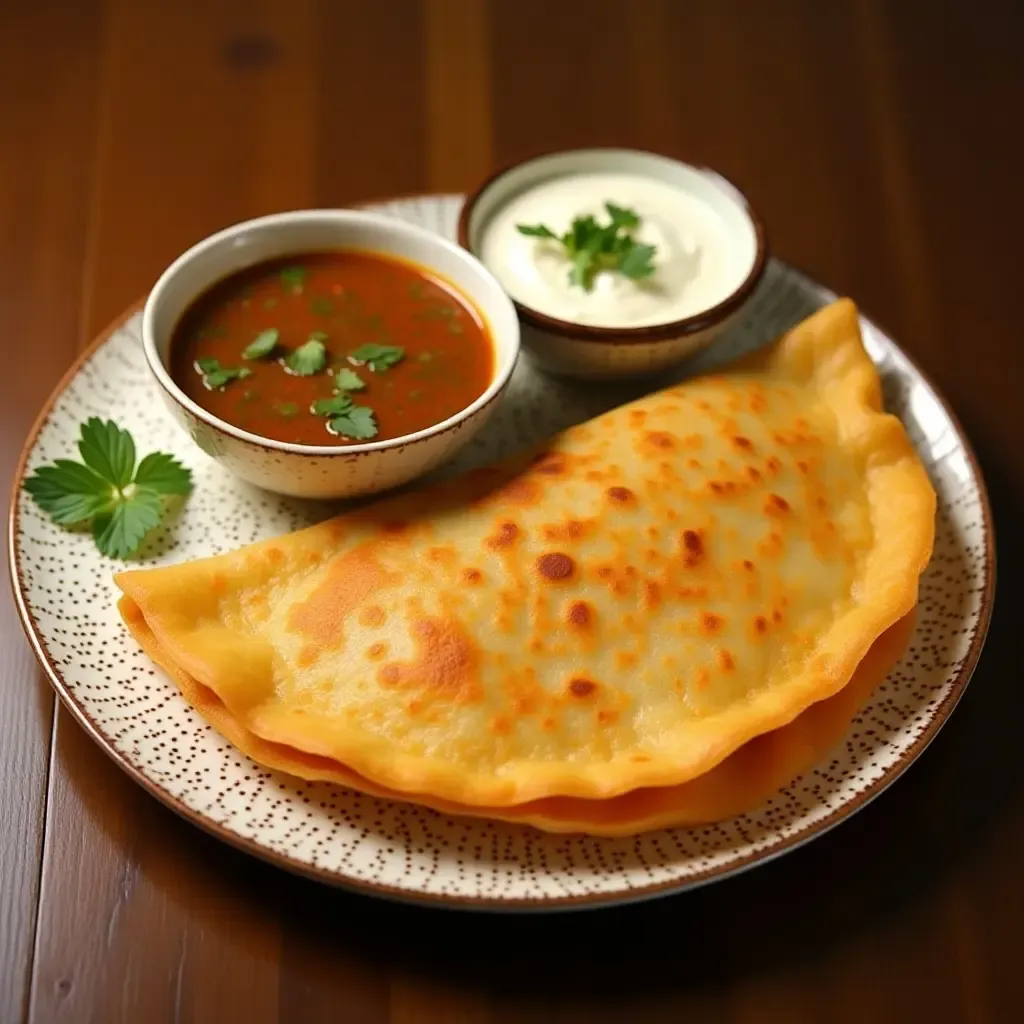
pixel 346 300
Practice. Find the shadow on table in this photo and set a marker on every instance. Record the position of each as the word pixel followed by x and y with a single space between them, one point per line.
pixel 887 860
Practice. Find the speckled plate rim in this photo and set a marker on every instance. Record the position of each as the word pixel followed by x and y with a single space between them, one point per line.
pixel 939 715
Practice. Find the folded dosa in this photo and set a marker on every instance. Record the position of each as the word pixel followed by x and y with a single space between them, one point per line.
pixel 739 784
pixel 622 609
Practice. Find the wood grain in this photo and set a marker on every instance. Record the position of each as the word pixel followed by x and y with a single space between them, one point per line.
pixel 878 140
pixel 45 177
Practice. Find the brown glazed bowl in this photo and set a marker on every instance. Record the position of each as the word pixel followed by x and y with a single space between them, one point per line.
pixel 570 349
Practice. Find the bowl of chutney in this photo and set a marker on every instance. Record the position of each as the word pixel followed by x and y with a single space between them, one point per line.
pixel 329 353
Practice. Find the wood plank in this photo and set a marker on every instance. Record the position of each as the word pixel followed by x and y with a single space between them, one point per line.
pixel 458 89
pixel 45 172
pixel 371 133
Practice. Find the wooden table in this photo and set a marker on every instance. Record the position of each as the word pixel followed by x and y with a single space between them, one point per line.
pixel 882 143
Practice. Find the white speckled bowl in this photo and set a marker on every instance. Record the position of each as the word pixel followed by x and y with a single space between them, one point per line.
pixel 570 349
pixel 325 471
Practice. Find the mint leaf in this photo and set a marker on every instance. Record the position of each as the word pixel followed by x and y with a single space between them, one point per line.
pixel 107 450
pixel 262 345
pixel 378 357
pixel 69 492
pixel 163 474
pixel 122 507
pixel 120 533
pixel 348 380
pixel 358 423
pixel 309 358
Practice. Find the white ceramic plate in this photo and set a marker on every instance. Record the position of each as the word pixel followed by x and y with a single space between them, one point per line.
pixel 66 597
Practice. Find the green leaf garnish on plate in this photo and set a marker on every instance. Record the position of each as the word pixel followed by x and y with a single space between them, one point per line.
pixel 348 380
pixel 262 345
pixel 378 357
pixel 309 358
pixel 216 376
pixel 69 492
pixel 121 501
pixel 358 423
pixel 592 247
pixel 120 532
pixel 107 450
pixel 163 474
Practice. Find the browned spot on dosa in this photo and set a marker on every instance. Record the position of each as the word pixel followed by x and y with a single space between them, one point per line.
pixel 580 615
pixel 580 687
pixel 693 548
pixel 446 663
pixel 555 567
pixel 504 536
pixel 710 623
pixel 350 581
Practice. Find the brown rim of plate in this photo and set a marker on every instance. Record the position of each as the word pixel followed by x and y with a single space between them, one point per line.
pixel 940 713
pixel 628 335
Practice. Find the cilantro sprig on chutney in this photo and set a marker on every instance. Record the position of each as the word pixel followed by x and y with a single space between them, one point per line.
pixel 592 247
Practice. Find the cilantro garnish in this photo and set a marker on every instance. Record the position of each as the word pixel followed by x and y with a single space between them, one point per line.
pixel 346 418
pixel 378 357
pixel 536 231
pixel 293 277
pixel 309 358
pixel 216 376
pixel 333 406
pixel 122 501
pixel 358 423
pixel 262 345
pixel 347 380
pixel 593 247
